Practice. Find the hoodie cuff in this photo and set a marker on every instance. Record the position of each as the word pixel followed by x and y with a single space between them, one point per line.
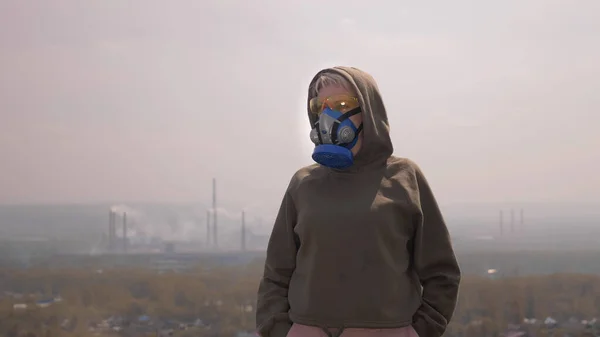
pixel 424 328
pixel 279 329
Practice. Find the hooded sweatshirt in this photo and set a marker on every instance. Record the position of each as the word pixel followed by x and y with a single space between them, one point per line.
pixel 363 247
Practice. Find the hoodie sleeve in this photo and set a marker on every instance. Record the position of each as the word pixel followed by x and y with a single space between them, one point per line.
pixel 436 266
pixel 272 317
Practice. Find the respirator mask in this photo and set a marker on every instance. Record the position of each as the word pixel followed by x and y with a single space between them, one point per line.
pixel 333 133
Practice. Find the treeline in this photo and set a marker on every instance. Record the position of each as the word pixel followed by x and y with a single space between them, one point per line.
pixel 223 298
pixel 517 263
pixel 509 263
pixel 487 307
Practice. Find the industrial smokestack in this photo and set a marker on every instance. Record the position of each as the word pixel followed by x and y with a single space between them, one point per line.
pixel 207 228
pixel 512 221
pixel 215 241
pixel 243 231
pixel 112 230
pixel 124 232
pixel 110 224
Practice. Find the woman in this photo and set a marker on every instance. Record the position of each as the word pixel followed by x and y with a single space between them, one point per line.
pixel 359 246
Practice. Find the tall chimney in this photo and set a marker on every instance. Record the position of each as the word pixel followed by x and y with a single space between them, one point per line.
pixel 114 231
pixel 501 223
pixel 110 229
pixel 243 231
pixel 112 235
pixel 207 228
pixel 215 241
pixel 124 232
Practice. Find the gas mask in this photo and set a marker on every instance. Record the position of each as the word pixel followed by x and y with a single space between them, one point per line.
pixel 335 135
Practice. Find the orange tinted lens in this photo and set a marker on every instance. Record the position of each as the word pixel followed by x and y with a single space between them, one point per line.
pixel 315 105
pixel 341 103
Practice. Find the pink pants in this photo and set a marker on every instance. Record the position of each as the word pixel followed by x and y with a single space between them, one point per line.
pixel 299 330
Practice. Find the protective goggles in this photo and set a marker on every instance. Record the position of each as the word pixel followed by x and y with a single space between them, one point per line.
pixel 342 103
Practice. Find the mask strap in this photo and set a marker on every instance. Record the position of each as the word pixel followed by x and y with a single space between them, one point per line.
pixel 342 118
pixel 316 127
pixel 349 114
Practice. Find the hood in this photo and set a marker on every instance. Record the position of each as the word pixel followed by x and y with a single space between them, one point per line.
pixel 377 145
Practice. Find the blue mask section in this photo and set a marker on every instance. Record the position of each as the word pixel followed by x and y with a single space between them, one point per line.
pixel 333 147
pixel 333 156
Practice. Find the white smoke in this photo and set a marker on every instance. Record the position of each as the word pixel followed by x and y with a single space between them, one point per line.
pixel 145 225
pixel 97 248
pixel 142 227
pixel 255 220
pixel 229 214
pixel 121 209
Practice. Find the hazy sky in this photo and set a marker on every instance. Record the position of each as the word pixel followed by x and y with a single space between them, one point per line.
pixel 149 100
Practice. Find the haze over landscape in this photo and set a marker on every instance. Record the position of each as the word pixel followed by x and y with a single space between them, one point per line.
pixel 116 111
pixel 116 116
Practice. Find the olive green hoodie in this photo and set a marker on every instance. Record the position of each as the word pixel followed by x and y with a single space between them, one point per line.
pixel 364 247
